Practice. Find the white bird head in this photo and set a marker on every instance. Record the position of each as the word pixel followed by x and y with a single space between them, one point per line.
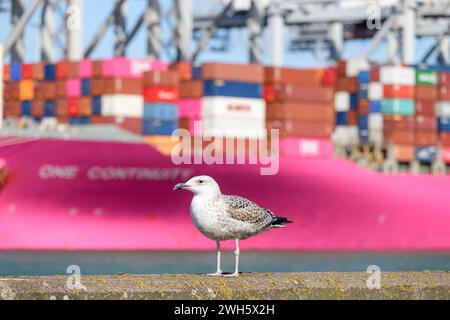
pixel 201 185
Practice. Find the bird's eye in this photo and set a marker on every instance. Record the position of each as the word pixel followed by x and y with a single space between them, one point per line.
pixel 200 181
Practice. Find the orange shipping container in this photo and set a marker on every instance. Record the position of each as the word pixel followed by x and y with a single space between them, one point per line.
pixel 85 106
pixel 301 128
pixel 49 88
pixel 401 136
pixel 26 90
pixel 61 88
pixel 37 108
pixel 12 109
pixel 191 89
pixel 62 108
pixel 37 71
pixel 290 92
pixel 349 84
pixel 233 72
pixel 308 111
pixel 403 153
pixel 425 138
pixel 293 76
pixel 6 72
pixel 160 78
pixel 183 69
pixel 72 71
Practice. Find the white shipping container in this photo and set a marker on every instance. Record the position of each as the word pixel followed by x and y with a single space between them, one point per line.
pixel 375 121
pixel 375 91
pixel 353 67
pixel 233 127
pixel 398 75
pixel 376 137
pixel 443 108
pixel 233 107
pixel 122 105
pixel 342 101
pixel 345 135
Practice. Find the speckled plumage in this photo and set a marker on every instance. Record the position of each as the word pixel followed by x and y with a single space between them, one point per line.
pixel 222 217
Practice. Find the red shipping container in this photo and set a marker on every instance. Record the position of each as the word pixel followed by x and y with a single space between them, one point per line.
pixel 37 71
pixel 97 68
pixel 374 73
pixel 349 84
pixel 426 108
pixel 363 106
pixel 27 71
pixel 444 79
pixel 398 122
pixel 73 71
pixel 398 91
pixel 425 138
pixel 61 88
pixel 62 108
pixel 352 118
pixel 444 92
pixel 160 94
pixel 62 70
pixel 446 155
pixel 445 139
pixel 12 109
pixel 329 77
pixel 426 93
pixel 50 89
pixel 6 72
pixel 37 108
pixel 72 104
pixel 341 66
pixel 403 153
pixel 425 123
pixel 97 86
pixel 183 69
pixel 11 91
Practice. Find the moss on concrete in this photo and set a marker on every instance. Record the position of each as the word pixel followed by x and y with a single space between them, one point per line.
pixel 309 285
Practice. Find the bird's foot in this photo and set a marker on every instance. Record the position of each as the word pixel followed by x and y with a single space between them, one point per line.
pixel 232 275
pixel 215 274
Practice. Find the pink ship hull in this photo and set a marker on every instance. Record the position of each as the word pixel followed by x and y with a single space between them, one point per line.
pixel 99 195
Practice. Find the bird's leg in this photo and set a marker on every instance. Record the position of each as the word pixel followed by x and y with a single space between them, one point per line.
pixel 236 254
pixel 218 271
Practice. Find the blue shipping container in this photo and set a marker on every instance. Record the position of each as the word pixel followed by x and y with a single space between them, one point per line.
pixel 353 101
pixel 49 108
pixel 50 72
pixel 79 120
pixel 364 136
pixel 363 94
pixel 364 77
pixel 375 106
pixel 159 127
pixel 15 70
pixel 85 87
pixel 232 89
pixel 425 154
pixel 26 108
pixel 196 73
pixel 444 124
pixel 161 111
pixel 363 122
pixel 96 105
pixel 341 118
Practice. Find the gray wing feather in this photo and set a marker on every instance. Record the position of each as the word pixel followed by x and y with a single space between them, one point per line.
pixel 247 211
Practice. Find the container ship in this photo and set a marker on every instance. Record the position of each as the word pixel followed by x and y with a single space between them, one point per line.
pixel 86 154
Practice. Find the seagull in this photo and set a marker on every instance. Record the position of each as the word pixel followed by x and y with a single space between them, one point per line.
pixel 223 217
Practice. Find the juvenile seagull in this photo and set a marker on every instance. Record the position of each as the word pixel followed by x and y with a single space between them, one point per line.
pixel 222 217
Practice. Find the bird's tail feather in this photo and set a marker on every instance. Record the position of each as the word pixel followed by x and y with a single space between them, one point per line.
pixel 278 223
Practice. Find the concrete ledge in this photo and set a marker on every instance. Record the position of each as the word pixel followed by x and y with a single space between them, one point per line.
pixel 313 285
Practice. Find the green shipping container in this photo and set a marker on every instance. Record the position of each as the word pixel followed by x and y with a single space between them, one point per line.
pixel 398 106
pixel 426 78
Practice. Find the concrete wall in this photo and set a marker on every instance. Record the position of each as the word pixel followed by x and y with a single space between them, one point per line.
pixel 314 285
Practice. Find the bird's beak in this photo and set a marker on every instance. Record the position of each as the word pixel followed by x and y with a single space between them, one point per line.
pixel 181 186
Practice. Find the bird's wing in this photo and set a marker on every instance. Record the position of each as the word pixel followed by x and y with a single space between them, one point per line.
pixel 245 210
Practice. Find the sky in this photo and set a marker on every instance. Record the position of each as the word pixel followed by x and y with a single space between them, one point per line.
pixel 94 13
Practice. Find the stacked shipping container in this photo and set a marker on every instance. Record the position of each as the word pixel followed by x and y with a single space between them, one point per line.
pixel 300 106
